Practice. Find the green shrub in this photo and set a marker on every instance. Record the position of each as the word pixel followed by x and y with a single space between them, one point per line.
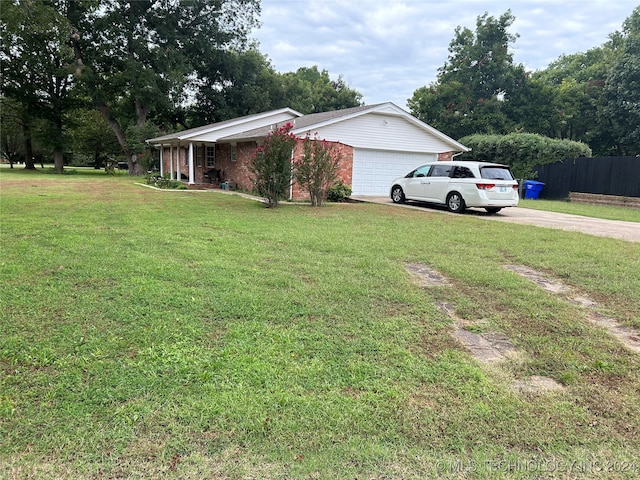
pixel 339 192
pixel 522 151
pixel 164 182
pixel 317 168
pixel 271 165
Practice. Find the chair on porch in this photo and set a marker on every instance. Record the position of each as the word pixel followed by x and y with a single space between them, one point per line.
pixel 214 175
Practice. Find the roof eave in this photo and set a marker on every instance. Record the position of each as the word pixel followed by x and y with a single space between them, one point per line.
pixel 187 134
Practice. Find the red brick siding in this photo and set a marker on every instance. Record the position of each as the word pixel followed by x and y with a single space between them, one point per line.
pixel 179 154
pixel 445 156
pixel 345 169
pixel 231 171
pixel 239 172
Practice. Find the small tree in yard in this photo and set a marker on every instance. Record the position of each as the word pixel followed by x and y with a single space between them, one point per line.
pixel 317 169
pixel 271 165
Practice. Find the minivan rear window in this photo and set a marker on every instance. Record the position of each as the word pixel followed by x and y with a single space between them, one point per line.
pixel 496 173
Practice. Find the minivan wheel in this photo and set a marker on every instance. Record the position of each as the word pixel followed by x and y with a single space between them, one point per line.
pixel 397 195
pixel 493 210
pixel 455 203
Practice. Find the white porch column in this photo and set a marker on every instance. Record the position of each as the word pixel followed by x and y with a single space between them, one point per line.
pixel 191 167
pixel 161 160
pixel 178 160
pixel 171 176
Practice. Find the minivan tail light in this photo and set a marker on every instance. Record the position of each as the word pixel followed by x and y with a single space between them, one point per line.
pixel 515 187
pixel 485 186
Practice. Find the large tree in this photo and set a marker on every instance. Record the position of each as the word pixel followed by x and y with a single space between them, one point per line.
pixel 477 87
pixel 91 137
pixel 37 67
pixel 577 103
pixel 622 89
pixel 234 84
pixel 11 134
pixel 242 83
pixel 142 59
pixel 310 90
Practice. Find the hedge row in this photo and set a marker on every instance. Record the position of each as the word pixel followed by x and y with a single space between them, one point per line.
pixel 522 151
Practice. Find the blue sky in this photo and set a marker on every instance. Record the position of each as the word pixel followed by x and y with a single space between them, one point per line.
pixel 388 49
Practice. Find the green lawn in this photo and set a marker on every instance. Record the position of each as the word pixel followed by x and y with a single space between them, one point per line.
pixel 608 212
pixel 173 334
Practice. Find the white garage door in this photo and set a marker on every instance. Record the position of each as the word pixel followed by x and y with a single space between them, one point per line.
pixel 374 170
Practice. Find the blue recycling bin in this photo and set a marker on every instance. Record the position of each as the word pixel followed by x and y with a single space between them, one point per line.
pixel 532 189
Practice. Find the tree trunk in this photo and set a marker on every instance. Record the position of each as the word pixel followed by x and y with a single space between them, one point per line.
pixel 97 160
pixel 29 162
pixel 58 160
pixel 135 167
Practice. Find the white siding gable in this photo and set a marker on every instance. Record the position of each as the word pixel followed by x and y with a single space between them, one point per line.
pixel 227 130
pixel 377 130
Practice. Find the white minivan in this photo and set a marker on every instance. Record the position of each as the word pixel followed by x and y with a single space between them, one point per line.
pixel 458 185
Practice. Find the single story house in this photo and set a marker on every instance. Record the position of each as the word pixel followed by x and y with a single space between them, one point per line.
pixel 377 142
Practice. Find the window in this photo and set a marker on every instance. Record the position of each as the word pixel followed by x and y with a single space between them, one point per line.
pixel 211 157
pixel 233 152
pixel 421 171
pixel 199 155
pixel 496 173
pixel 462 172
pixel 440 171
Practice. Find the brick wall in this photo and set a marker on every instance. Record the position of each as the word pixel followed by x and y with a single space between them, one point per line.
pixel 598 199
pixel 345 168
pixel 231 169
pixel 237 170
pixel 179 155
pixel 445 156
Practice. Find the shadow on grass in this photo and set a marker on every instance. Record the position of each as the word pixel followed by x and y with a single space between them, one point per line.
pixel 68 170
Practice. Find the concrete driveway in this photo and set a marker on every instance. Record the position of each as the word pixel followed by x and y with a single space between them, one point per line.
pixel 629 231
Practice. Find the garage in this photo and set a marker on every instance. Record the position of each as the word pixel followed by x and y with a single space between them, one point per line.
pixel 377 143
pixel 374 170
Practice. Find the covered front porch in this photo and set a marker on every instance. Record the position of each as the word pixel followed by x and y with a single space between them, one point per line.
pixel 208 155
pixel 191 163
pixel 207 164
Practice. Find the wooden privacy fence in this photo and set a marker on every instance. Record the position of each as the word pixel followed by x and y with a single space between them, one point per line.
pixel 619 176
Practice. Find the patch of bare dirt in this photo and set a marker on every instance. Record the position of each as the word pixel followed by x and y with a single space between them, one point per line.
pixel 627 336
pixel 485 346
pixel 537 384
pixel 425 275
pixel 539 279
pixel 492 348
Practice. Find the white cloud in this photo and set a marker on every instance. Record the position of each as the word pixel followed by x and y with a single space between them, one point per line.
pixel 387 49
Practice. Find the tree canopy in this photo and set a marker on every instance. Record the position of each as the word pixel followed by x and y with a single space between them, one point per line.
pixel 622 89
pixel 478 84
pixel 143 59
pixel 145 65
pixel 155 66
pixel 589 97
pixel 37 68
